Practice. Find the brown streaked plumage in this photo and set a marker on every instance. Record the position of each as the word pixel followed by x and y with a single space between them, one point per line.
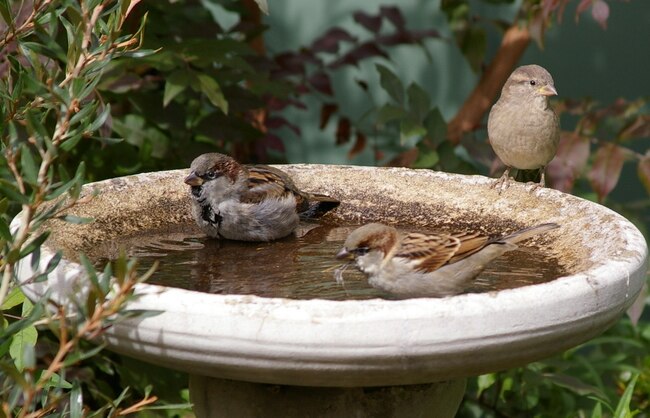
pixel 248 202
pixel 431 265
pixel 523 129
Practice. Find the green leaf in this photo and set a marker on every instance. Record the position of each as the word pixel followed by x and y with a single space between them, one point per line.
pixel 175 84
pixel 5 12
pixel 28 165
pixel 598 410
pixel 56 382
pixel 389 112
pixel 623 407
pixel 419 101
pixel 427 160
pixel 436 127
pixel 76 401
pixel 391 83
pixel 5 233
pixel 473 44
pixel 211 89
pixel 33 244
pixel 411 129
pixel 99 120
pixel 24 341
pixel 12 193
pixel 14 298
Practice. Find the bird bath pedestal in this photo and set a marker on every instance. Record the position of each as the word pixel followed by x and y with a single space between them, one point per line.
pixel 249 356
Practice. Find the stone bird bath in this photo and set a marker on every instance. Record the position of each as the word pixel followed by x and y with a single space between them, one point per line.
pixel 249 356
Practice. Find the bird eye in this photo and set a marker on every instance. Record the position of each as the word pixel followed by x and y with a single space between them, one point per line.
pixel 362 251
pixel 211 175
pixel 532 82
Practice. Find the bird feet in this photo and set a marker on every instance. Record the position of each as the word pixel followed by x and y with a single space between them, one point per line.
pixel 503 182
pixel 535 186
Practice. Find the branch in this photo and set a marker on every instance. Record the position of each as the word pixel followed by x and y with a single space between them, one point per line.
pixel 513 45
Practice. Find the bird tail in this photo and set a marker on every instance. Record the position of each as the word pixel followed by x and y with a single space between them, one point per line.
pixel 526 233
pixel 319 204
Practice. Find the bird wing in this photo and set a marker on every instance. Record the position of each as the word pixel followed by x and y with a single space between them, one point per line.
pixel 266 182
pixel 470 243
pixel 428 252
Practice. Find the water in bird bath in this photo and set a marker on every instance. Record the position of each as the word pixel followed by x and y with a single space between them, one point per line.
pixel 300 267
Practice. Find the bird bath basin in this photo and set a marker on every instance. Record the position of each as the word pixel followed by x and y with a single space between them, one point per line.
pixel 248 355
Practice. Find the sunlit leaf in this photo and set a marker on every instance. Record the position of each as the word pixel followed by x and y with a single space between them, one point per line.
pixel 211 89
pixel 623 409
pixel 23 342
pixel 14 298
pixel 606 169
pixel 570 160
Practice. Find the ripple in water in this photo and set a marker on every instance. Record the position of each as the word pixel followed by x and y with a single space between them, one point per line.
pixel 297 267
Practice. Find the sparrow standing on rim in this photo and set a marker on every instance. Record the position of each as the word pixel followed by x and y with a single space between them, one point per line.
pixel 248 202
pixel 522 128
pixel 426 265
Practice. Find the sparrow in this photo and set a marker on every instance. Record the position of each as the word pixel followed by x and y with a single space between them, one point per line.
pixel 426 265
pixel 248 202
pixel 523 129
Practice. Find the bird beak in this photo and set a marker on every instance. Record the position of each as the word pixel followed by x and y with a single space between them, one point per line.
pixel 344 253
pixel 547 90
pixel 193 179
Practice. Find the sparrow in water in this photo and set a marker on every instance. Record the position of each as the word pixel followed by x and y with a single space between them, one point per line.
pixel 248 202
pixel 523 129
pixel 426 265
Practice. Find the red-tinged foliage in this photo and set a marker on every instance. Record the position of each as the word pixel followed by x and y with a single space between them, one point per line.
pixel 571 159
pixel 326 112
pixel 343 131
pixel 358 53
pixel 330 41
pixel 321 82
pixel 638 128
pixel 644 171
pixel 370 22
pixel 606 169
pixel 394 15
pixel 359 145
pixel 276 122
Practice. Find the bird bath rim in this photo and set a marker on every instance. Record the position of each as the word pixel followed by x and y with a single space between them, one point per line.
pixel 380 342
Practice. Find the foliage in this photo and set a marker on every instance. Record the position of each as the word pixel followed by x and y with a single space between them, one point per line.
pixel 185 84
pixel 54 54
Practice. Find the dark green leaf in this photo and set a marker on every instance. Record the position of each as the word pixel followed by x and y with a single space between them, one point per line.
pixel 5 233
pixel 34 243
pixel 175 83
pixel 12 193
pixel 6 13
pixel 28 165
pixel 389 112
pixel 436 127
pixel 623 409
pixel 391 83
pixel 419 102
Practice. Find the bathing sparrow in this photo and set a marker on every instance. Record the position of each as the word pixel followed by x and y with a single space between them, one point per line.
pixel 248 202
pixel 523 129
pixel 426 265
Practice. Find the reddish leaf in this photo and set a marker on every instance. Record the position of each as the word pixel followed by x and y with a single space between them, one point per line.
pixel 372 23
pixel 275 104
pixel 600 12
pixel 606 170
pixel 365 50
pixel 329 42
pixel 571 158
pixel 358 146
pixel 583 5
pixel 273 142
pixel 644 171
pixel 407 37
pixel 326 112
pixel 290 63
pixel 394 15
pixel 343 131
pixel 277 122
pixel 639 128
pixel 321 82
